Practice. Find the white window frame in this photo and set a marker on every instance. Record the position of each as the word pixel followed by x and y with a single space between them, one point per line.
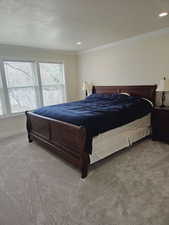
pixel 6 107
pixel 39 77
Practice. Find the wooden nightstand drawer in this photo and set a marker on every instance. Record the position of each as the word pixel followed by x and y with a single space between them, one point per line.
pixel 160 124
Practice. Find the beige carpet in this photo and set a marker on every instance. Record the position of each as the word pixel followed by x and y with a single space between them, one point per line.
pixel 38 188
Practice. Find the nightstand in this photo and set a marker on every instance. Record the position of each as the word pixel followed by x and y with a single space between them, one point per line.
pixel 160 124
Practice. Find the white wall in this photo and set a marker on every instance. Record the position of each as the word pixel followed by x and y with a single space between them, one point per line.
pixel 14 125
pixel 136 61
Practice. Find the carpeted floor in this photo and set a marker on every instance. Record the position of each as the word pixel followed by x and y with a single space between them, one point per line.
pixel 38 188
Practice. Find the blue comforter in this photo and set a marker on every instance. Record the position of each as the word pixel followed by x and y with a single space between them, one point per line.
pixel 99 113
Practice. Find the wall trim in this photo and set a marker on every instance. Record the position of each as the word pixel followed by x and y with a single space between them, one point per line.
pixel 127 40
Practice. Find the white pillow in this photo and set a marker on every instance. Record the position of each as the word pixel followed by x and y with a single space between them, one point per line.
pixel 125 93
pixel 149 101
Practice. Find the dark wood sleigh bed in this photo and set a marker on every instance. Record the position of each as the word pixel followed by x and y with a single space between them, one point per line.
pixel 69 140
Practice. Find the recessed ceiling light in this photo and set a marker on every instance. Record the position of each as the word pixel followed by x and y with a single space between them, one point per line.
pixel 163 14
pixel 79 43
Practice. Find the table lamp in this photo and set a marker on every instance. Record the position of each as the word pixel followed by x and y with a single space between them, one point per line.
pixel 163 87
pixel 87 88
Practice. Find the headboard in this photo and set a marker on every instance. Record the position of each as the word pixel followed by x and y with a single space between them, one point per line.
pixel 145 91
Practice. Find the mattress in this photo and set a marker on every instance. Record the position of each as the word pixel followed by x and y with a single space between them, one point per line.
pixel 119 138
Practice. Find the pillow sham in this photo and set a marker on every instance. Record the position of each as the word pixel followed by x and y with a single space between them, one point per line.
pixel 125 93
pixel 102 96
pixel 149 101
pixel 105 96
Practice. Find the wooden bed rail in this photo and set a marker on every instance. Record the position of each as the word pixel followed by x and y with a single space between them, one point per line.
pixel 66 139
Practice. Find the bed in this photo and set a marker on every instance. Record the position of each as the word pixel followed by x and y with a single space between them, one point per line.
pixel 75 139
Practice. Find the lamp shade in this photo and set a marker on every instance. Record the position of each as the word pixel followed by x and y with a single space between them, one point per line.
pixel 163 85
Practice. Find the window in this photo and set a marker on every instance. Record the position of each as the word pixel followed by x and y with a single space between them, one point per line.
pixel 20 80
pixel 52 77
pixel 28 85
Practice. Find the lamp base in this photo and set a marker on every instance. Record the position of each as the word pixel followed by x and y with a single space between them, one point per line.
pixel 162 106
pixel 163 100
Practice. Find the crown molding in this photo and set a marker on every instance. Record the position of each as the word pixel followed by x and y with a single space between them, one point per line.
pixel 127 40
pixel 53 51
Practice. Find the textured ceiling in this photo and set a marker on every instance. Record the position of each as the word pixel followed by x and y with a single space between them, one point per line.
pixel 59 24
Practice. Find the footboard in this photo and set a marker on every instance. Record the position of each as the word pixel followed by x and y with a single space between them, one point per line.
pixel 66 139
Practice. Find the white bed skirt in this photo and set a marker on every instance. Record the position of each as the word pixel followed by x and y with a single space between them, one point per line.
pixel 116 139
